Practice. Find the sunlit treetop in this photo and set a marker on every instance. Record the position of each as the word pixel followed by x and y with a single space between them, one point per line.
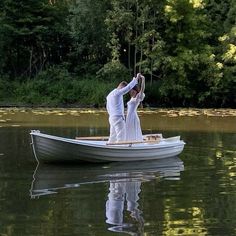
pixel 197 3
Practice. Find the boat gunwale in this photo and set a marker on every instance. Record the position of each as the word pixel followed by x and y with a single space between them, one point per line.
pixel 120 147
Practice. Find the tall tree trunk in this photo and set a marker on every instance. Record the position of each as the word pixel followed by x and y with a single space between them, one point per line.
pixel 151 76
pixel 17 70
pixel 129 47
pixel 141 50
pixel 135 58
pixel 136 35
pixel 153 42
pixel 129 57
pixel 30 62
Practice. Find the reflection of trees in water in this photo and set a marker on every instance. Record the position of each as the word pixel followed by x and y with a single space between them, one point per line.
pixel 203 201
pixel 87 207
pixel 123 197
pixel 209 181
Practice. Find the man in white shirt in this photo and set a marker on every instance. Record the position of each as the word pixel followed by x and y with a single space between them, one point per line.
pixel 115 108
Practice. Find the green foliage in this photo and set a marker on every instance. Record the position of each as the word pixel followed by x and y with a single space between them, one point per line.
pixel 89 34
pixel 225 94
pixel 153 96
pixel 5 88
pixel 54 73
pixel 55 87
pixel 113 71
pixel 52 51
pixel 32 36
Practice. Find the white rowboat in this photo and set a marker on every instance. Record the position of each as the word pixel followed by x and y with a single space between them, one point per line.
pixel 49 148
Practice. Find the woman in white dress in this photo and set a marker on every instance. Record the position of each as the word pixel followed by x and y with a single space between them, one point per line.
pixel 133 128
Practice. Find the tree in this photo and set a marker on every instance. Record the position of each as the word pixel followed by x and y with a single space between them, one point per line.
pixel 227 90
pixel 89 34
pixel 32 35
pixel 167 39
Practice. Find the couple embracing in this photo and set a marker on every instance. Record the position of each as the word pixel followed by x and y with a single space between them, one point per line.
pixel 128 129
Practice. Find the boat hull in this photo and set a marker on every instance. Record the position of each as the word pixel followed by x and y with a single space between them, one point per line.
pixel 49 148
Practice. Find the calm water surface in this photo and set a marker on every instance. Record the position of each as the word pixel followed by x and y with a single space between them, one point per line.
pixel 193 194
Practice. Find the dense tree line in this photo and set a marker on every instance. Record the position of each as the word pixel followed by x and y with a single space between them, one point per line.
pixel 52 50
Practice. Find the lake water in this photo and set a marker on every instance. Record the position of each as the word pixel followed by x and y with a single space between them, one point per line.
pixel 192 194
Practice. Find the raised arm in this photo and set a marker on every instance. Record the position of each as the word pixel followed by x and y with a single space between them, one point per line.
pixel 142 84
pixel 128 87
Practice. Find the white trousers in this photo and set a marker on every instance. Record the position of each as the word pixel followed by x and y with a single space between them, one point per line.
pixel 117 129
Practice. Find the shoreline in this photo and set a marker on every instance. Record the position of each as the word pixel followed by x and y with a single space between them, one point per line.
pixel 163 111
pixel 95 106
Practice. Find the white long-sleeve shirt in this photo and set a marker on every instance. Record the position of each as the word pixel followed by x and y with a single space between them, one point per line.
pixel 115 104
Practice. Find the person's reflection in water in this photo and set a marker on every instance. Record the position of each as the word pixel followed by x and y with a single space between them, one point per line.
pixel 121 194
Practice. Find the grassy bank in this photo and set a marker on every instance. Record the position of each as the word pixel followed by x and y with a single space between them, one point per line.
pixel 56 87
pixel 53 93
pixel 79 92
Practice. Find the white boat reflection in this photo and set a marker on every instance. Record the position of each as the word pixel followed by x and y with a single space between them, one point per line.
pixel 122 208
pixel 49 179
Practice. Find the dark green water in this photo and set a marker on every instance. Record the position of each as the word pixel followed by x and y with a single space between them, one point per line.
pixel 192 195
